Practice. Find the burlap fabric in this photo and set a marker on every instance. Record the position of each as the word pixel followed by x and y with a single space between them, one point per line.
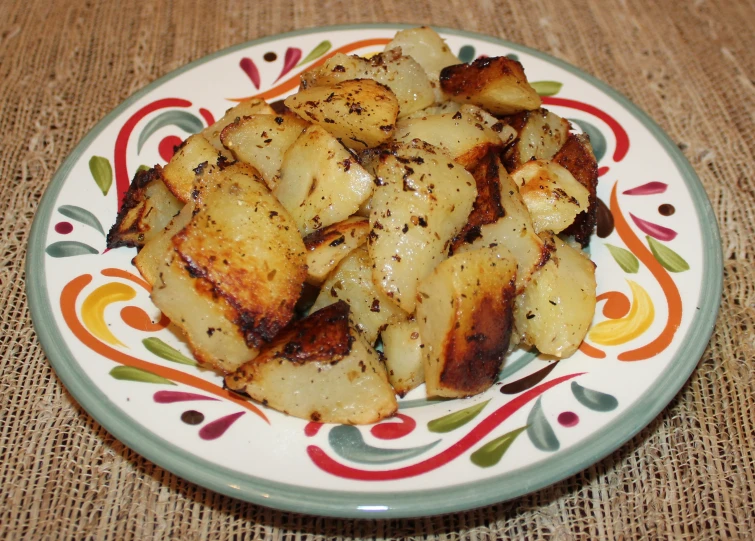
pixel 689 475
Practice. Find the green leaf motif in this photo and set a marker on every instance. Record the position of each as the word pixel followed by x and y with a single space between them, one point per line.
pixel 454 420
pixel 129 373
pixel 667 257
pixel 347 442
pixel 102 172
pixel 593 400
pixel 491 453
pixel 539 429
pixel 164 351
pixel 547 88
pixel 143 167
pixel 181 119
pixel 317 52
pixel 81 215
pixel 68 248
pixel 626 259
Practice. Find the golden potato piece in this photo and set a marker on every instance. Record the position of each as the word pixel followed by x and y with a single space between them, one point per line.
pixel 194 155
pixel 552 195
pixel 243 242
pixel 577 157
pixel 557 306
pixel 327 247
pixel 465 319
pixel 262 140
pixel 371 309
pixel 422 200
pixel 402 350
pixel 253 106
pixel 147 208
pixel 320 369
pixel 361 113
pixel 540 134
pixel 321 183
pixel 402 74
pixel 497 84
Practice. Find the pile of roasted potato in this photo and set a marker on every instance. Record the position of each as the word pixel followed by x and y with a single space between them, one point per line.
pixel 402 219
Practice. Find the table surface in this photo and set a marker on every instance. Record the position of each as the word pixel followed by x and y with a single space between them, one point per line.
pixel 689 475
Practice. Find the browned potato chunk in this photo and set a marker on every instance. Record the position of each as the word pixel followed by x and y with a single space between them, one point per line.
pixel 249 107
pixel 190 159
pixel 461 136
pixel 322 370
pixel 152 256
pixel 262 140
pixel 402 349
pixel 321 183
pixel 557 306
pixel 147 208
pixel 577 157
pixel 497 84
pixel 465 318
pixel 499 216
pixel 540 134
pixel 352 282
pixel 422 200
pixel 552 195
pixel 402 74
pixel 359 112
pixel 327 247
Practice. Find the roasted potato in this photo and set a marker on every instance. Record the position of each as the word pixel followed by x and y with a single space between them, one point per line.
pixel 253 106
pixel 539 135
pixel 500 217
pixel 552 195
pixel 402 350
pixel 558 304
pixel 321 183
pixel 147 208
pixel 194 154
pixel 422 200
pixel 320 369
pixel 262 140
pixel 361 113
pixel 577 157
pixel 464 315
pixel 497 84
pixel 351 281
pixel 327 247
pixel 402 74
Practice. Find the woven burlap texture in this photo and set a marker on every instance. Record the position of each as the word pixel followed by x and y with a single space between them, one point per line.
pixel 689 64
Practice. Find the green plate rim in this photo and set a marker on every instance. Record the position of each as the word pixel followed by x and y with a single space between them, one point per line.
pixel 348 504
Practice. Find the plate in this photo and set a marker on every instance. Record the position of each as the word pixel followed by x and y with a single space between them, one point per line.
pixel 659 276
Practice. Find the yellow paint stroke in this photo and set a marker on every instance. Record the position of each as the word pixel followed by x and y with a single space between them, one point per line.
pixel 93 309
pixel 619 331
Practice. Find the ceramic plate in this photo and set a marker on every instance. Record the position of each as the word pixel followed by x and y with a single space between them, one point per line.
pixel 659 281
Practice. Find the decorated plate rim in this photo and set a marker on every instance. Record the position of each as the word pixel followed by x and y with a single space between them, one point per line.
pixel 367 504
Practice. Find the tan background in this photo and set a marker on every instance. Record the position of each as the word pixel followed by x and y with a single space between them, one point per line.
pixel 689 64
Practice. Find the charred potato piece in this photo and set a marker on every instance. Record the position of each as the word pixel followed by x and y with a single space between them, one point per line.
pixel 321 183
pixel 540 134
pixel 422 200
pixel 402 350
pixel 465 319
pixel 147 208
pixel 322 370
pixel 402 74
pixel 151 258
pixel 253 106
pixel 552 195
pixel 425 46
pixel 499 216
pixel 351 281
pixel 243 242
pixel 461 136
pixel 555 310
pixel 577 157
pixel 359 112
pixel 262 140
pixel 194 155
pixel 497 84
pixel 327 247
